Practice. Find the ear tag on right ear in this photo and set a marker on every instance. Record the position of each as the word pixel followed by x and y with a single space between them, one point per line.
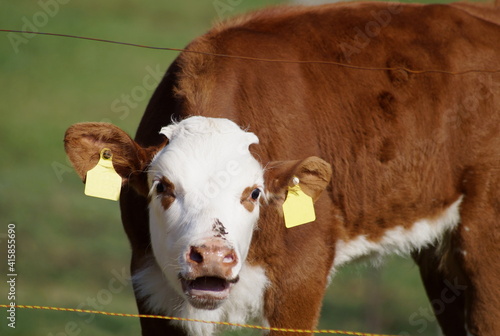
pixel 103 181
pixel 298 207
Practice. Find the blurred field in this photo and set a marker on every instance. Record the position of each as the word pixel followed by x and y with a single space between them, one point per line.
pixel 71 249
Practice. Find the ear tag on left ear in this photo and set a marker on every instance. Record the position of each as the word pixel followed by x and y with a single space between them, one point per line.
pixel 102 180
pixel 298 207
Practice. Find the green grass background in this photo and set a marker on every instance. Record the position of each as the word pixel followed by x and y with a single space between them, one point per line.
pixel 70 247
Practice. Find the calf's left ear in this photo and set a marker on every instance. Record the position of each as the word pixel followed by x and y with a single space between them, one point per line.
pixel 313 173
pixel 83 143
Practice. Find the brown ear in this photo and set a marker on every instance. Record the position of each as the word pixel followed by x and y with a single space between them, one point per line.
pixel 314 175
pixel 83 144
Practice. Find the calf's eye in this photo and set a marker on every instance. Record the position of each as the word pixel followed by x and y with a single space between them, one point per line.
pixel 160 188
pixel 255 194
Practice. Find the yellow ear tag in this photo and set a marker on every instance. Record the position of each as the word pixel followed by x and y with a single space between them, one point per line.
pixel 298 207
pixel 102 180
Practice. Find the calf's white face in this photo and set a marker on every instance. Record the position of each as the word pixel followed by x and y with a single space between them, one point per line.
pixel 204 195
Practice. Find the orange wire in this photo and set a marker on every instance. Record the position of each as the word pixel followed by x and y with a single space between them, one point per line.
pixel 248 326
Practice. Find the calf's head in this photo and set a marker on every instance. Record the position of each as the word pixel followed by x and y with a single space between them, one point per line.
pixel 204 189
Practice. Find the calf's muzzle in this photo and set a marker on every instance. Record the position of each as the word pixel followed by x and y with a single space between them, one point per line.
pixel 211 258
pixel 210 277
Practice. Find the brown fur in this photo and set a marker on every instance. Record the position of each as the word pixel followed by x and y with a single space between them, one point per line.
pixel 246 200
pixel 168 195
pixel 83 144
pixel 485 11
pixel 402 146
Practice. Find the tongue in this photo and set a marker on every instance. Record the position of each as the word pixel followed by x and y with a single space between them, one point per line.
pixel 208 284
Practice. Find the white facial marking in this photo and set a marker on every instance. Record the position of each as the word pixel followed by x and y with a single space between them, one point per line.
pixel 399 240
pixel 209 164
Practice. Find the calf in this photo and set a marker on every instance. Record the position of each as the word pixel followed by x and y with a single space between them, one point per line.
pixel 410 163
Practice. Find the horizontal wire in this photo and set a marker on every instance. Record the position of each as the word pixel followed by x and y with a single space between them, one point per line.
pixel 258 59
pixel 248 326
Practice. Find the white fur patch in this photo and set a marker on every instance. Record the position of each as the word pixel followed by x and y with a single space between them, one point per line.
pixel 244 303
pixel 399 240
pixel 209 163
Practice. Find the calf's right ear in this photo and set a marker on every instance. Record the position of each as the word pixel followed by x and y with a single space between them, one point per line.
pixel 83 143
pixel 313 174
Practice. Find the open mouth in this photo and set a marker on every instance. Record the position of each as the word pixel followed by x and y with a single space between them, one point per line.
pixel 206 292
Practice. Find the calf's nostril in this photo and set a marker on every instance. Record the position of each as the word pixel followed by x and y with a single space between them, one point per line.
pixel 195 255
pixel 229 258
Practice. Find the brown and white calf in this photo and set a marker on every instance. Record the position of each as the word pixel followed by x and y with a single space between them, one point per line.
pixel 410 164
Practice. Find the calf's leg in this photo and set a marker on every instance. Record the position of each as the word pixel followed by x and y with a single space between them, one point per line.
pixel 479 243
pixel 293 307
pixel 447 297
